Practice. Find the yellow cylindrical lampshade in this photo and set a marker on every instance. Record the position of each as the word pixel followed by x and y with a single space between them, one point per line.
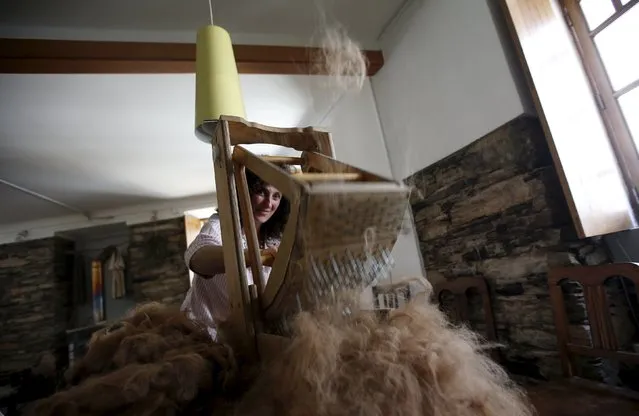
pixel 217 82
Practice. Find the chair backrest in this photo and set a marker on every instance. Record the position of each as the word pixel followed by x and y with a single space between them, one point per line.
pixel 603 338
pixel 460 288
pixel 310 139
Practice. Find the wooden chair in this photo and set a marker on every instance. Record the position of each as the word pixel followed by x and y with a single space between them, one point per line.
pixel 604 340
pixel 459 288
pixel 342 226
pixel 574 396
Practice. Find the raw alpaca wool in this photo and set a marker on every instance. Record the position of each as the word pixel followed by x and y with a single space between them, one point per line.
pixel 342 59
pixel 156 361
pixel 34 383
pixel 413 362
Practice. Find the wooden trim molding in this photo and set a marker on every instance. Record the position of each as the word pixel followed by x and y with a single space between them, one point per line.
pixel 589 172
pixel 40 56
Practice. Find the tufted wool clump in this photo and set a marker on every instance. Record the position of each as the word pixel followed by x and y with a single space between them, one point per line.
pixel 341 58
pixel 411 362
pixel 341 360
pixel 155 361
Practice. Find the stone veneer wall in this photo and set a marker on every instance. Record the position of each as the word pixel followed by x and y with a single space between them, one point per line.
pixel 496 209
pixel 156 261
pixel 34 303
pixel 36 292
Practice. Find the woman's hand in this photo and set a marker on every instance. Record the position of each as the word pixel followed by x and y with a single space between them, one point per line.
pixel 268 255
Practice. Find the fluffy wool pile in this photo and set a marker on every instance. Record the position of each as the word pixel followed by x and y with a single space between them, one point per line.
pixel 156 361
pixel 411 362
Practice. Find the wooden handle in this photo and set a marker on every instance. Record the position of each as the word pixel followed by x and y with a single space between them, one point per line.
pixel 328 177
pixel 289 160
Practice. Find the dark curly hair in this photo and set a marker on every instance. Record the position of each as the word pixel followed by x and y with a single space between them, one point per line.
pixel 274 227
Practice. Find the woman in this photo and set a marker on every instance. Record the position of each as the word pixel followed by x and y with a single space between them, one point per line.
pixel 207 299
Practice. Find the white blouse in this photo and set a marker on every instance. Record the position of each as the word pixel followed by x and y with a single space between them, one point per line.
pixel 207 300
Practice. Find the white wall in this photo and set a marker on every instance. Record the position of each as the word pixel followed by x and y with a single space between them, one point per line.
pixel 356 132
pixel 359 141
pixel 450 77
pixel 446 82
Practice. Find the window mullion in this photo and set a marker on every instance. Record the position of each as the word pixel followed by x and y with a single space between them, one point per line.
pixel 634 84
pixel 619 12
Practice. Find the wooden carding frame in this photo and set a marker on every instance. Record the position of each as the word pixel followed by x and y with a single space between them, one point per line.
pixel 592 279
pixel 323 249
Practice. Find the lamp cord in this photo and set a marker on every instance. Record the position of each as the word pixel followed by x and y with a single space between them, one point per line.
pixel 211 11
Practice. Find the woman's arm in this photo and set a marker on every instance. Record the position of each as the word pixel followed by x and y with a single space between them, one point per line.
pixel 209 260
pixel 205 255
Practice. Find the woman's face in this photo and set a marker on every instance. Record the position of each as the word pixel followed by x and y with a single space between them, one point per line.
pixel 265 200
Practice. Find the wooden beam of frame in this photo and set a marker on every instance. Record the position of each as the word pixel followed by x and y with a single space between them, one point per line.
pixel 39 56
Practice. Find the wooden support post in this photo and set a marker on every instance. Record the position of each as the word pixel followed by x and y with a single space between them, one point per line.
pixel 240 326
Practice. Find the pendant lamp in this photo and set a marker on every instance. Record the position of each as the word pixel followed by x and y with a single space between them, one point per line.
pixel 217 82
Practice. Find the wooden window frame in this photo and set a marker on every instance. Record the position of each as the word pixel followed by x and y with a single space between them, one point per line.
pixel 606 97
pixel 598 194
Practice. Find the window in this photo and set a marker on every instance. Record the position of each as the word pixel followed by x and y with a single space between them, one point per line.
pixel 607 34
pixel 580 58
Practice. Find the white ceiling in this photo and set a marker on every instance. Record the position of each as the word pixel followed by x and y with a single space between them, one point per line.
pixel 97 142
pixel 248 21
